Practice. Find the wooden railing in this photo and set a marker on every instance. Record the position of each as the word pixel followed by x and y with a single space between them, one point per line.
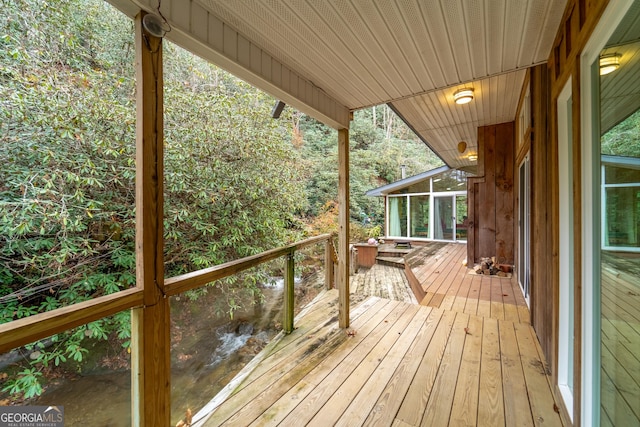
pixel 185 282
pixel 33 328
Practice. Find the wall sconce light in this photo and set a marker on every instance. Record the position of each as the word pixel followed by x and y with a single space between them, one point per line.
pixel 463 96
pixel 473 158
pixel 609 63
pixel 156 25
pixel 462 146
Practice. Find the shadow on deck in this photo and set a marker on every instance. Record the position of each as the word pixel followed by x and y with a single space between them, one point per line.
pixel 462 357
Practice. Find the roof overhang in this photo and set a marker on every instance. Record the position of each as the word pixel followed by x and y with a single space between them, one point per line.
pixel 327 58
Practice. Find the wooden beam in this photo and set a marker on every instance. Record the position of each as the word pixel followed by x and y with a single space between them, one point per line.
pixel 343 228
pixel 151 365
pixel 184 282
pixel 329 281
pixel 289 295
pixel 33 328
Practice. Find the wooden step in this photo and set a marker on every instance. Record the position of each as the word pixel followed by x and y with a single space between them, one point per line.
pixel 390 261
pixel 392 252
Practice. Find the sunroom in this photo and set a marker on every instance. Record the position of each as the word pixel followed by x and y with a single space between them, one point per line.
pixel 437 197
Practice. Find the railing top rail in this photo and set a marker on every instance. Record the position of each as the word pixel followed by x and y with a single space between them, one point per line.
pixel 38 326
pixel 184 282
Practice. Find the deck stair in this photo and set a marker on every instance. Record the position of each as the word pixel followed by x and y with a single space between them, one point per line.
pixel 391 256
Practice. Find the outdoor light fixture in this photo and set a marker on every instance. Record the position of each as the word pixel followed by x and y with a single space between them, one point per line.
pixel 463 96
pixel 155 25
pixel 609 63
pixel 473 157
pixel 462 146
pixel 277 110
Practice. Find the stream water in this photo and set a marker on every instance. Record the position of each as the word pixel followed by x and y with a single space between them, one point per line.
pixel 207 352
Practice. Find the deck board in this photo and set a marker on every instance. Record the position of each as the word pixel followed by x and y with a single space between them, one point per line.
pixel 517 410
pixel 451 285
pixel 464 411
pixel 367 398
pixel 491 411
pixel 467 357
pixel 392 397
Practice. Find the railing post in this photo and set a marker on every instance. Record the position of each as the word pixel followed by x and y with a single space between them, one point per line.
pixel 289 295
pixel 150 330
pixel 329 277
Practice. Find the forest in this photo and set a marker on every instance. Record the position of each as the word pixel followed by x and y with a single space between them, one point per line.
pixel 237 182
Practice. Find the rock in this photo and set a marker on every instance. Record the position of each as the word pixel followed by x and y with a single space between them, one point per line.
pixel 245 329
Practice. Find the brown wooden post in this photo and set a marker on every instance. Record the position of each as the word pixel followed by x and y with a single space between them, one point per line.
pixel 329 278
pixel 289 295
pixel 343 230
pixel 151 399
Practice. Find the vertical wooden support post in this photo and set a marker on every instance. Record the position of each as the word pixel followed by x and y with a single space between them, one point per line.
pixel 151 399
pixel 289 294
pixel 343 228
pixel 329 278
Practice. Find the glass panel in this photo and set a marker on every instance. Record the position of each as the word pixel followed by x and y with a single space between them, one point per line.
pixel 454 180
pixel 86 370
pixel 621 174
pixel 420 216
pixel 443 218
pixel 398 216
pixel 620 269
pixel 462 221
pixel 420 187
pixel 622 217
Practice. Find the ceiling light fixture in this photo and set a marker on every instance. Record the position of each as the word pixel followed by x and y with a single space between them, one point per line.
pixel 473 158
pixel 609 63
pixel 462 146
pixel 463 96
pixel 155 25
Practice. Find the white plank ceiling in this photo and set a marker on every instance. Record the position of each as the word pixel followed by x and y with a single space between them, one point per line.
pixel 412 54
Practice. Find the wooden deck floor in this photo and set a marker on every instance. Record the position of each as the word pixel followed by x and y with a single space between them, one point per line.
pixel 399 364
pixel 384 282
pixel 450 285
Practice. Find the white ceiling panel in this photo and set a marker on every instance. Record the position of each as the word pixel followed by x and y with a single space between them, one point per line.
pixel 358 53
pixel 442 123
pixel 364 52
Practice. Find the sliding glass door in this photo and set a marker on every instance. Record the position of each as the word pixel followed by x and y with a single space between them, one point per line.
pixel 397 216
pixel 611 219
pixel 419 220
pixel 443 218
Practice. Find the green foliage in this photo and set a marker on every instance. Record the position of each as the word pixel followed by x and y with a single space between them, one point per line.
pixel 27 383
pixel 236 181
pixel 378 147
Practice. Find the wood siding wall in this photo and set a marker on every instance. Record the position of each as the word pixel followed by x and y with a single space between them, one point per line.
pixel 543 254
pixel 491 202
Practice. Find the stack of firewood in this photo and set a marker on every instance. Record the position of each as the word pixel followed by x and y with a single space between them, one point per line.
pixel 488 266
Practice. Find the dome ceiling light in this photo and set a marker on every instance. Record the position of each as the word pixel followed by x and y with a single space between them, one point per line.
pixel 463 96
pixel 609 63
